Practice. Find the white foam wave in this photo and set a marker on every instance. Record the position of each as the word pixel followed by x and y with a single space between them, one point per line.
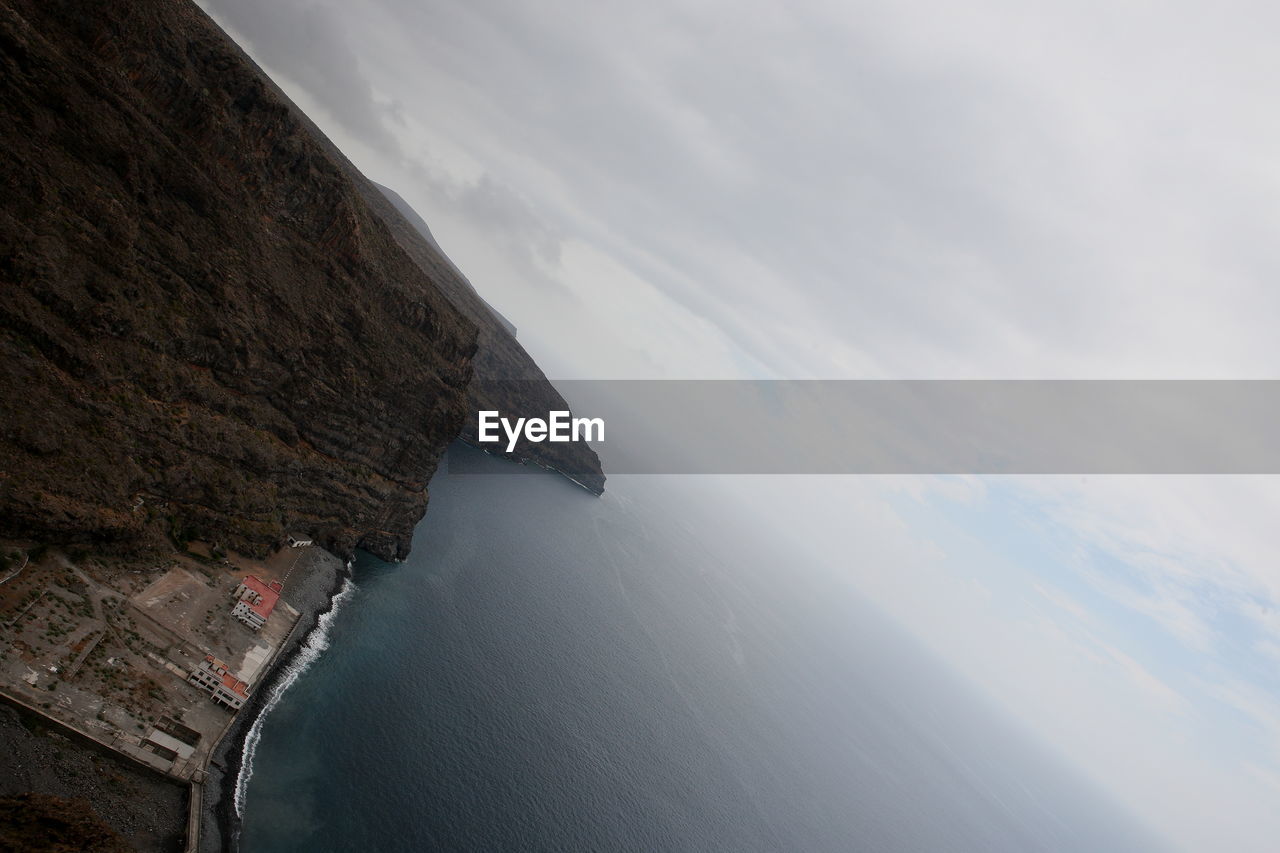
pixel 315 643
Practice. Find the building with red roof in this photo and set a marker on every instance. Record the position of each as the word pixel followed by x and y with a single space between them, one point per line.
pixel 214 675
pixel 255 599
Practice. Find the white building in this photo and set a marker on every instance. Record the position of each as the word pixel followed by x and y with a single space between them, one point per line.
pixel 298 540
pixel 168 746
pixel 214 676
pixel 255 599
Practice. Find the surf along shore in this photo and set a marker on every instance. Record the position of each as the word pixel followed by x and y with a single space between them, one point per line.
pixel 96 655
pixel 315 581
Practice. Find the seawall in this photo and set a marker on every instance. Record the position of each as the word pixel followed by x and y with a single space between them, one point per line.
pixel 315 581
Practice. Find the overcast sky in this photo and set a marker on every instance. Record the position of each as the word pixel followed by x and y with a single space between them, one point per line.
pixel 904 190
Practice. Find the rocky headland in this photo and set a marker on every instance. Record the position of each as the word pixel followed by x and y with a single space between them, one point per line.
pixel 211 325
pixel 213 328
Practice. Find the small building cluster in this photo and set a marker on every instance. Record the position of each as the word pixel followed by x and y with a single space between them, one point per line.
pixel 171 740
pixel 255 599
pixel 168 744
pixel 214 676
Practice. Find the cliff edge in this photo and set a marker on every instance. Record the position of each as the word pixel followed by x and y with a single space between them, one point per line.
pixel 506 378
pixel 204 329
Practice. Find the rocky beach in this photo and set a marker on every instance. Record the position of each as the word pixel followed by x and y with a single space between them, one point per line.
pixel 318 578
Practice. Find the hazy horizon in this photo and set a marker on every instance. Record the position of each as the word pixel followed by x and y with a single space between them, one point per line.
pixel 872 191
pixel 642 671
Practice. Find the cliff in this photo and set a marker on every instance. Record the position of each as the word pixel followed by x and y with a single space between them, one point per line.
pixel 506 377
pixel 420 225
pixel 205 330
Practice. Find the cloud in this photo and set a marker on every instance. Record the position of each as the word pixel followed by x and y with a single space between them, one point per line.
pixel 308 42
pixel 1268 648
pixel 904 189
pixel 1106 614
pixel 858 189
pixel 506 217
pixel 1196 554
pixel 1138 675
pixel 1260 709
pixel 1063 601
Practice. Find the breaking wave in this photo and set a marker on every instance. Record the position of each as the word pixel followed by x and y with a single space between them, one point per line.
pixel 311 648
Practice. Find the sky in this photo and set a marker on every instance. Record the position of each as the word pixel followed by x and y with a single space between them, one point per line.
pixel 869 190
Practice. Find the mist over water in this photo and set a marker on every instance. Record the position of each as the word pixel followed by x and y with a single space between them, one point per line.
pixel 643 671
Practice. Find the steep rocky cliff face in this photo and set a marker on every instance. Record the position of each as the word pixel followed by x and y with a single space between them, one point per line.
pixel 507 378
pixel 420 225
pixel 204 328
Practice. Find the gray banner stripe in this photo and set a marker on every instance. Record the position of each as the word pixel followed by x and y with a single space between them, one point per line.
pixel 926 427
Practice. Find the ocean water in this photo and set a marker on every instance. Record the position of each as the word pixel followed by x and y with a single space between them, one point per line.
pixel 552 671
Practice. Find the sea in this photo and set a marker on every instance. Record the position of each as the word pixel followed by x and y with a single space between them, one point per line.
pixel 650 670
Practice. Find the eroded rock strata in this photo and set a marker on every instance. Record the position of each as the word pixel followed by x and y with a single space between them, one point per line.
pixel 206 328
pixel 506 378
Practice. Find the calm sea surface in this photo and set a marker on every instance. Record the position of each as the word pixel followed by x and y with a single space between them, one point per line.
pixel 552 671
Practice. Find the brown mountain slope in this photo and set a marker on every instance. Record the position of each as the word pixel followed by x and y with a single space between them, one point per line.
pixel 203 326
pixel 38 823
pixel 420 225
pixel 506 377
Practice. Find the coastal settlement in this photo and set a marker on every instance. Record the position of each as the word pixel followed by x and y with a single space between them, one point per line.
pixel 150 662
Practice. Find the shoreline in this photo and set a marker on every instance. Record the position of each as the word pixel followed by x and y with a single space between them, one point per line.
pixel 313 595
